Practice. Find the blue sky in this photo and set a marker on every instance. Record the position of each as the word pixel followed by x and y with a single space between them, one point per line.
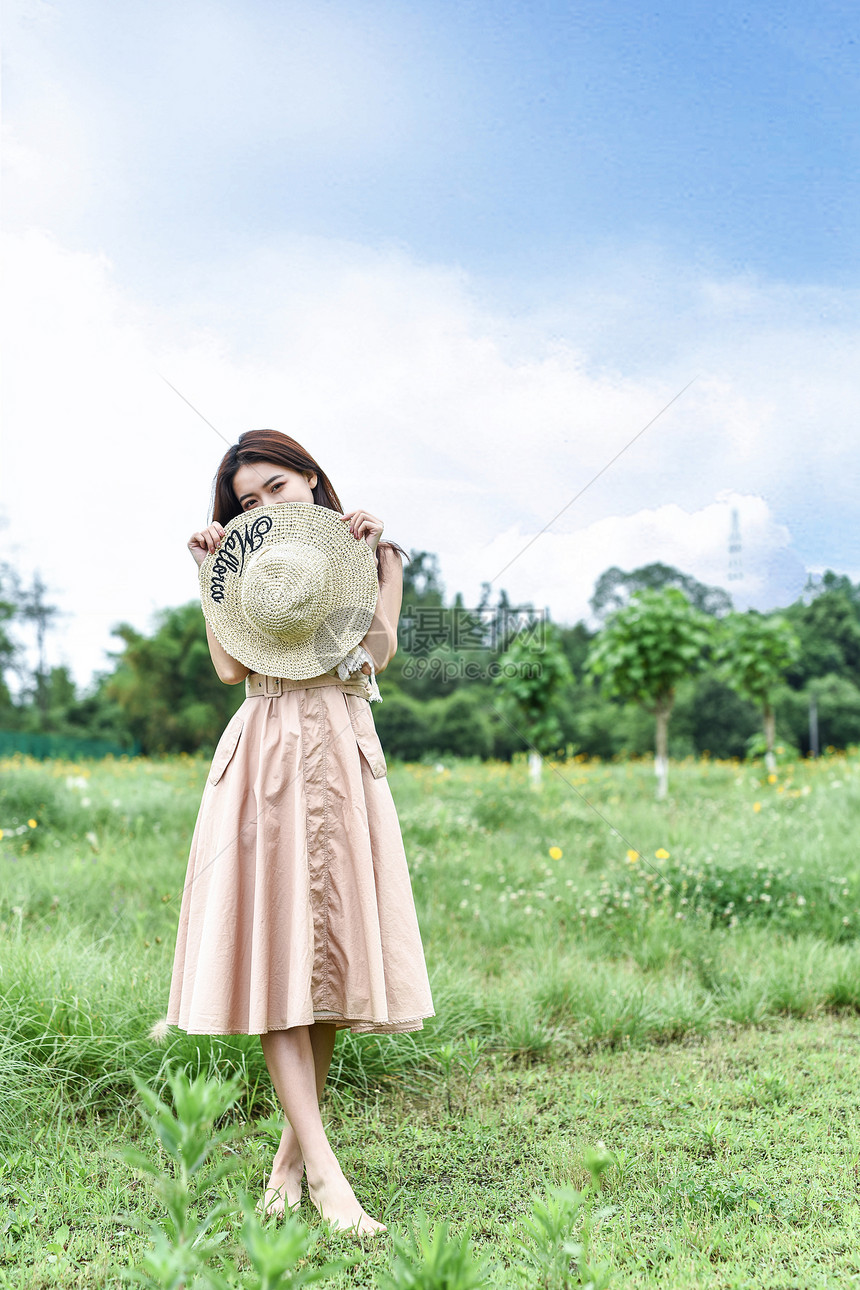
pixel 486 242
pixel 511 139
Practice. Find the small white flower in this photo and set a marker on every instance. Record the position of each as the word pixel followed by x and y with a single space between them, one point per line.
pixel 160 1031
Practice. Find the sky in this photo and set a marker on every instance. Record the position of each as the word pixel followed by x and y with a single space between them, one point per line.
pixel 466 254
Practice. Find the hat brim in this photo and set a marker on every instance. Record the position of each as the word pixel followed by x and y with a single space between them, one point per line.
pixel 356 588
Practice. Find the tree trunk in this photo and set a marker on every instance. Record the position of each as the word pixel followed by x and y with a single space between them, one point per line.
pixel 661 760
pixel 535 768
pixel 769 737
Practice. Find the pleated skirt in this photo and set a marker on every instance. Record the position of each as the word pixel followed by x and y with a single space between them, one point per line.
pixel 297 905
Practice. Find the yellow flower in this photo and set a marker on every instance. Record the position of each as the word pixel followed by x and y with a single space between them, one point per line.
pixel 661 853
pixel 771 779
pixel 632 857
pixel 555 853
pixel 1 835
pixel 31 824
pixel 756 806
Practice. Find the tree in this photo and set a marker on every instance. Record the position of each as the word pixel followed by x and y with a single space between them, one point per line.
pixel 404 725
pixel 642 653
pixel 614 588
pixel 828 627
pixel 531 673
pixel 754 653
pixel 9 594
pixel 167 687
pixel 34 608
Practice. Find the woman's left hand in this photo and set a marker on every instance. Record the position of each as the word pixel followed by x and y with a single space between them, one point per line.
pixel 365 527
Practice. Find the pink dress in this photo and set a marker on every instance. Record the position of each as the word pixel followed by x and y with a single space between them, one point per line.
pixel 297 904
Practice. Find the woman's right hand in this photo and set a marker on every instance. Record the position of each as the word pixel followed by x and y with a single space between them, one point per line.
pixel 206 541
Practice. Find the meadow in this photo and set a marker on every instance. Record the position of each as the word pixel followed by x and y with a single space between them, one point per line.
pixel 675 985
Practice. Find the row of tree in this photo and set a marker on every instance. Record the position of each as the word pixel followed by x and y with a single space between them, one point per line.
pixel 494 678
pixel 646 650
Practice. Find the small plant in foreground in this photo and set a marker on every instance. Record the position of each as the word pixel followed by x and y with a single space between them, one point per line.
pixel 188 1243
pixel 435 1260
pixel 449 1056
pixel 558 1234
pixel 279 1254
pixel 184 1244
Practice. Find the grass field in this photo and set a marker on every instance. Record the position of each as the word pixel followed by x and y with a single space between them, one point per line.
pixel 679 981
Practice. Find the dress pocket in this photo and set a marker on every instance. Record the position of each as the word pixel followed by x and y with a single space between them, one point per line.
pixel 226 747
pixel 366 736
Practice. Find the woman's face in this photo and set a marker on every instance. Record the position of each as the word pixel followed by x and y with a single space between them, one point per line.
pixel 265 483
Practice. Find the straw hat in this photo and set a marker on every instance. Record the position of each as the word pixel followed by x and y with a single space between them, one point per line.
pixel 289 592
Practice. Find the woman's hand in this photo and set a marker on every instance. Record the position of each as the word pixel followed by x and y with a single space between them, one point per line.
pixel 206 541
pixel 365 527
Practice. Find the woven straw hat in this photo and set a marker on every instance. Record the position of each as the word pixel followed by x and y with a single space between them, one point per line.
pixel 289 592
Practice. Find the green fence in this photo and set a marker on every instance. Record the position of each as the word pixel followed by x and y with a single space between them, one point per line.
pixel 69 747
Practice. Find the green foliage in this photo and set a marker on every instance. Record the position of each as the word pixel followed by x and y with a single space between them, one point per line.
pixel 614 589
pixel 462 725
pixel 403 725
pixel 9 601
pixel 186 1243
pixel 166 685
pixel 280 1254
pixel 422 585
pixel 753 653
pixel 648 647
pixel 557 1237
pixel 189 1243
pixel 576 641
pixel 530 676
pixel 827 622
pixel 714 717
pixel 434 1259
pixel 564 989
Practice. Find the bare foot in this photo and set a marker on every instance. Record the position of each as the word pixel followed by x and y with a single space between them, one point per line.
pixel 336 1202
pixel 283 1192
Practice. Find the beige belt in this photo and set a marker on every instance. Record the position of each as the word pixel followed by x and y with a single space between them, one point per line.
pixel 271 686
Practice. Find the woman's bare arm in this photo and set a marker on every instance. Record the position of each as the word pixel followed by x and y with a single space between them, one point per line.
pixel 229 669
pixel 381 639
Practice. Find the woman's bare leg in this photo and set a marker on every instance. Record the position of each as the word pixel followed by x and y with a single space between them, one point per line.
pixel 289 1056
pixel 284 1188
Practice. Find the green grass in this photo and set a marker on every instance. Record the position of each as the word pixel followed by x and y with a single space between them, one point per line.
pixel 697 1012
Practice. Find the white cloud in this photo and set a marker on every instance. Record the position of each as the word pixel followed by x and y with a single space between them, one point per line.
pixel 465 428
pixel 558 571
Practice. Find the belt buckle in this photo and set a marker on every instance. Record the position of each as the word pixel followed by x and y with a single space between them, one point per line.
pixel 272 686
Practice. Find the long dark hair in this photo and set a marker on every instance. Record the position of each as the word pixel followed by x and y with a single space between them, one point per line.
pixel 271 445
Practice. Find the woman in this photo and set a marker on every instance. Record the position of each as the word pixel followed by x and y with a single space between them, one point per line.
pixel 297 916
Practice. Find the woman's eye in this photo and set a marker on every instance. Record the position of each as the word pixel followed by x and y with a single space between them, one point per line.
pixel 275 487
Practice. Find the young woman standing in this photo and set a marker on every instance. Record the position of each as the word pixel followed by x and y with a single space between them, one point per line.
pixel 297 916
